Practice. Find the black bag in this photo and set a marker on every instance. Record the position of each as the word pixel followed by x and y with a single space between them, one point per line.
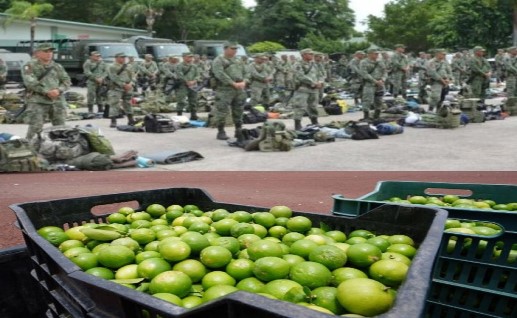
pixel 333 108
pixel 254 116
pixel 154 123
pixel 362 131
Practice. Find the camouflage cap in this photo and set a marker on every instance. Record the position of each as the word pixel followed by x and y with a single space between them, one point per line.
pixel 95 53
pixel 478 48
pixel 318 54
pixel 187 54
pixel 400 46
pixel 373 51
pixel 232 45
pixel 44 47
pixel 148 56
pixel 359 52
pixel 443 51
pixel 307 51
pixel 512 48
pixel 120 55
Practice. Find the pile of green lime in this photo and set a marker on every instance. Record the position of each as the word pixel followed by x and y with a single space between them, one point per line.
pixel 187 257
pixel 455 201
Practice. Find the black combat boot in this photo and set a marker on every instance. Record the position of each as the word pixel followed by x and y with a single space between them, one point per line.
pixel 376 114
pixel 100 108
pixel 366 116
pixel 113 123
pixel 130 120
pixel 297 124
pixel 106 111
pixel 221 134
pixel 180 112
pixel 314 120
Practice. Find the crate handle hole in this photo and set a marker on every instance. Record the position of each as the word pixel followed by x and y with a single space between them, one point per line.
pixel 103 209
pixel 440 191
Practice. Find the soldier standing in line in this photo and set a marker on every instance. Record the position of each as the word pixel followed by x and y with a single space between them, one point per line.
pixel 511 73
pixel 500 65
pixel 440 75
pixel 388 84
pixel 3 74
pixel 148 71
pixel 343 65
pixel 231 74
pixel 95 71
pixel 160 77
pixel 45 81
pixel 134 67
pixel 170 76
pixel 355 79
pixel 421 69
pixel 480 73
pixel 305 98
pixel 281 70
pixel 373 73
pixel 121 88
pixel 204 67
pixel 189 77
pixel 459 69
pixel 322 73
pixel 399 69
pixel 260 78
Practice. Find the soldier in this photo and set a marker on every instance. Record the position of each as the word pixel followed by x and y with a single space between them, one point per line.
pixel 148 72
pixel 421 69
pixel 459 69
pixel 305 98
pixel 386 59
pixel 121 88
pixel 480 72
pixel 282 69
pixel 204 67
pixel 440 76
pixel 134 67
pixel 343 65
pixel 189 77
pixel 45 81
pixel 499 65
pixel 373 73
pixel 3 74
pixel 322 73
pixel 231 74
pixel 95 71
pixel 355 79
pixel 170 76
pixel 511 73
pixel 160 78
pixel 399 70
pixel 259 77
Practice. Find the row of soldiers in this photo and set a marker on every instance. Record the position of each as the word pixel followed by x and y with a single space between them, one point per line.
pixel 391 73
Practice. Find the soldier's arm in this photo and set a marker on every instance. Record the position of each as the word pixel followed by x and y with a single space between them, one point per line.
pixel 64 79
pixel 432 72
pixel 114 78
pixel 219 72
pixel 475 68
pixel 256 76
pixel 363 72
pixel 510 66
pixel 87 70
pixel 30 80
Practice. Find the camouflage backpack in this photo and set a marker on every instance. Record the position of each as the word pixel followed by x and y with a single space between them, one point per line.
pixel 61 143
pixel 274 137
pixel 18 156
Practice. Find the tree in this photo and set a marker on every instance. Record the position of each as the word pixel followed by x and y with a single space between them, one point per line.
pixel 24 10
pixel 288 21
pixel 512 4
pixel 321 44
pixel 266 46
pixel 151 9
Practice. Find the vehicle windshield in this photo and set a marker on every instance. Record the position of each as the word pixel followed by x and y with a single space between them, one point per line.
pixel 109 50
pixel 165 50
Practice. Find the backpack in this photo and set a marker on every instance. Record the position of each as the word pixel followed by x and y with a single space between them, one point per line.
pixel 154 123
pixel 61 143
pixel 273 137
pixel 18 156
pixel 92 161
pixel 98 142
pixel 362 131
pixel 254 116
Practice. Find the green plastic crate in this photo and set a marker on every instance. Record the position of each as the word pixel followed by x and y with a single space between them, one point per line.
pixel 502 193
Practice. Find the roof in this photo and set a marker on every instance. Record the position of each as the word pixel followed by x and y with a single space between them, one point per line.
pixel 86 25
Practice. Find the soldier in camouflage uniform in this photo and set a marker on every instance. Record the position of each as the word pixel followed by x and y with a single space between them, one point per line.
pixel 343 65
pixel 480 72
pixel 282 69
pixel 260 77
pixel 45 81
pixel 322 73
pixel 500 65
pixel 421 68
pixel 232 75
pixel 3 74
pixel 388 84
pixel 399 70
pixel 373 73
pixel 355 79
pixel 121 88
pixel 440 76
pixel 305 98
pixel 511 73
pixel 459 69
pixel 189 77
pixel 148 72
pixel 170 76
pixel 134 67
pixel 95 71
pixel 204 67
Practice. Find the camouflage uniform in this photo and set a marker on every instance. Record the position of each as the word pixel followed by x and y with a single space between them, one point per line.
pixel 305 98
pixel 399 64
pixel 500 65
pixel 188 72
pixel 3 74
pixel 148 71
pixel 440 74
pixel 95 72
pixel 39 104
pixel 421 68
pixel 371 72
pixel 459 69
pixel 479 74
pixel 228 71
pixel 260 77
pixel 118 79
pixel 170 76
pixel 355 79
pixel 282 68
pixel 511 73
pixel 322 74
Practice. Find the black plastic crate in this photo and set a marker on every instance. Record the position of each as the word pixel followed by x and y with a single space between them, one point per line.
pixel 423 224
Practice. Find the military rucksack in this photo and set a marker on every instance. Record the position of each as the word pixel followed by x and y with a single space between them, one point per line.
pixel 61 143
pixel 18 156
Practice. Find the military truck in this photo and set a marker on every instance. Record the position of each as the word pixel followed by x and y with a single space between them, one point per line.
pixel 214 48
pixel 159 48
pixel 73 53
pixel 14 62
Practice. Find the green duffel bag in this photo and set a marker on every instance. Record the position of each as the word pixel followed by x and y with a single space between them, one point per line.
pixel 18 156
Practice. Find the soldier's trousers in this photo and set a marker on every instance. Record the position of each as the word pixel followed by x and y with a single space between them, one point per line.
pixel 399 84
pixel 478 86
pixel 457 78
pixel 260 96
pixel 369 100
pixel 119 100
pixel 93 97
pixel 186 96
pixel 228 99
pixel 436 95
pixel 511 83
pixel 305 101
pixel 38 113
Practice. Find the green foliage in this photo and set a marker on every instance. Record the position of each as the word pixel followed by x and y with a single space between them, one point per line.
pixel 352 47
pixel 321 44
pixel 265 46
pixel 151 9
